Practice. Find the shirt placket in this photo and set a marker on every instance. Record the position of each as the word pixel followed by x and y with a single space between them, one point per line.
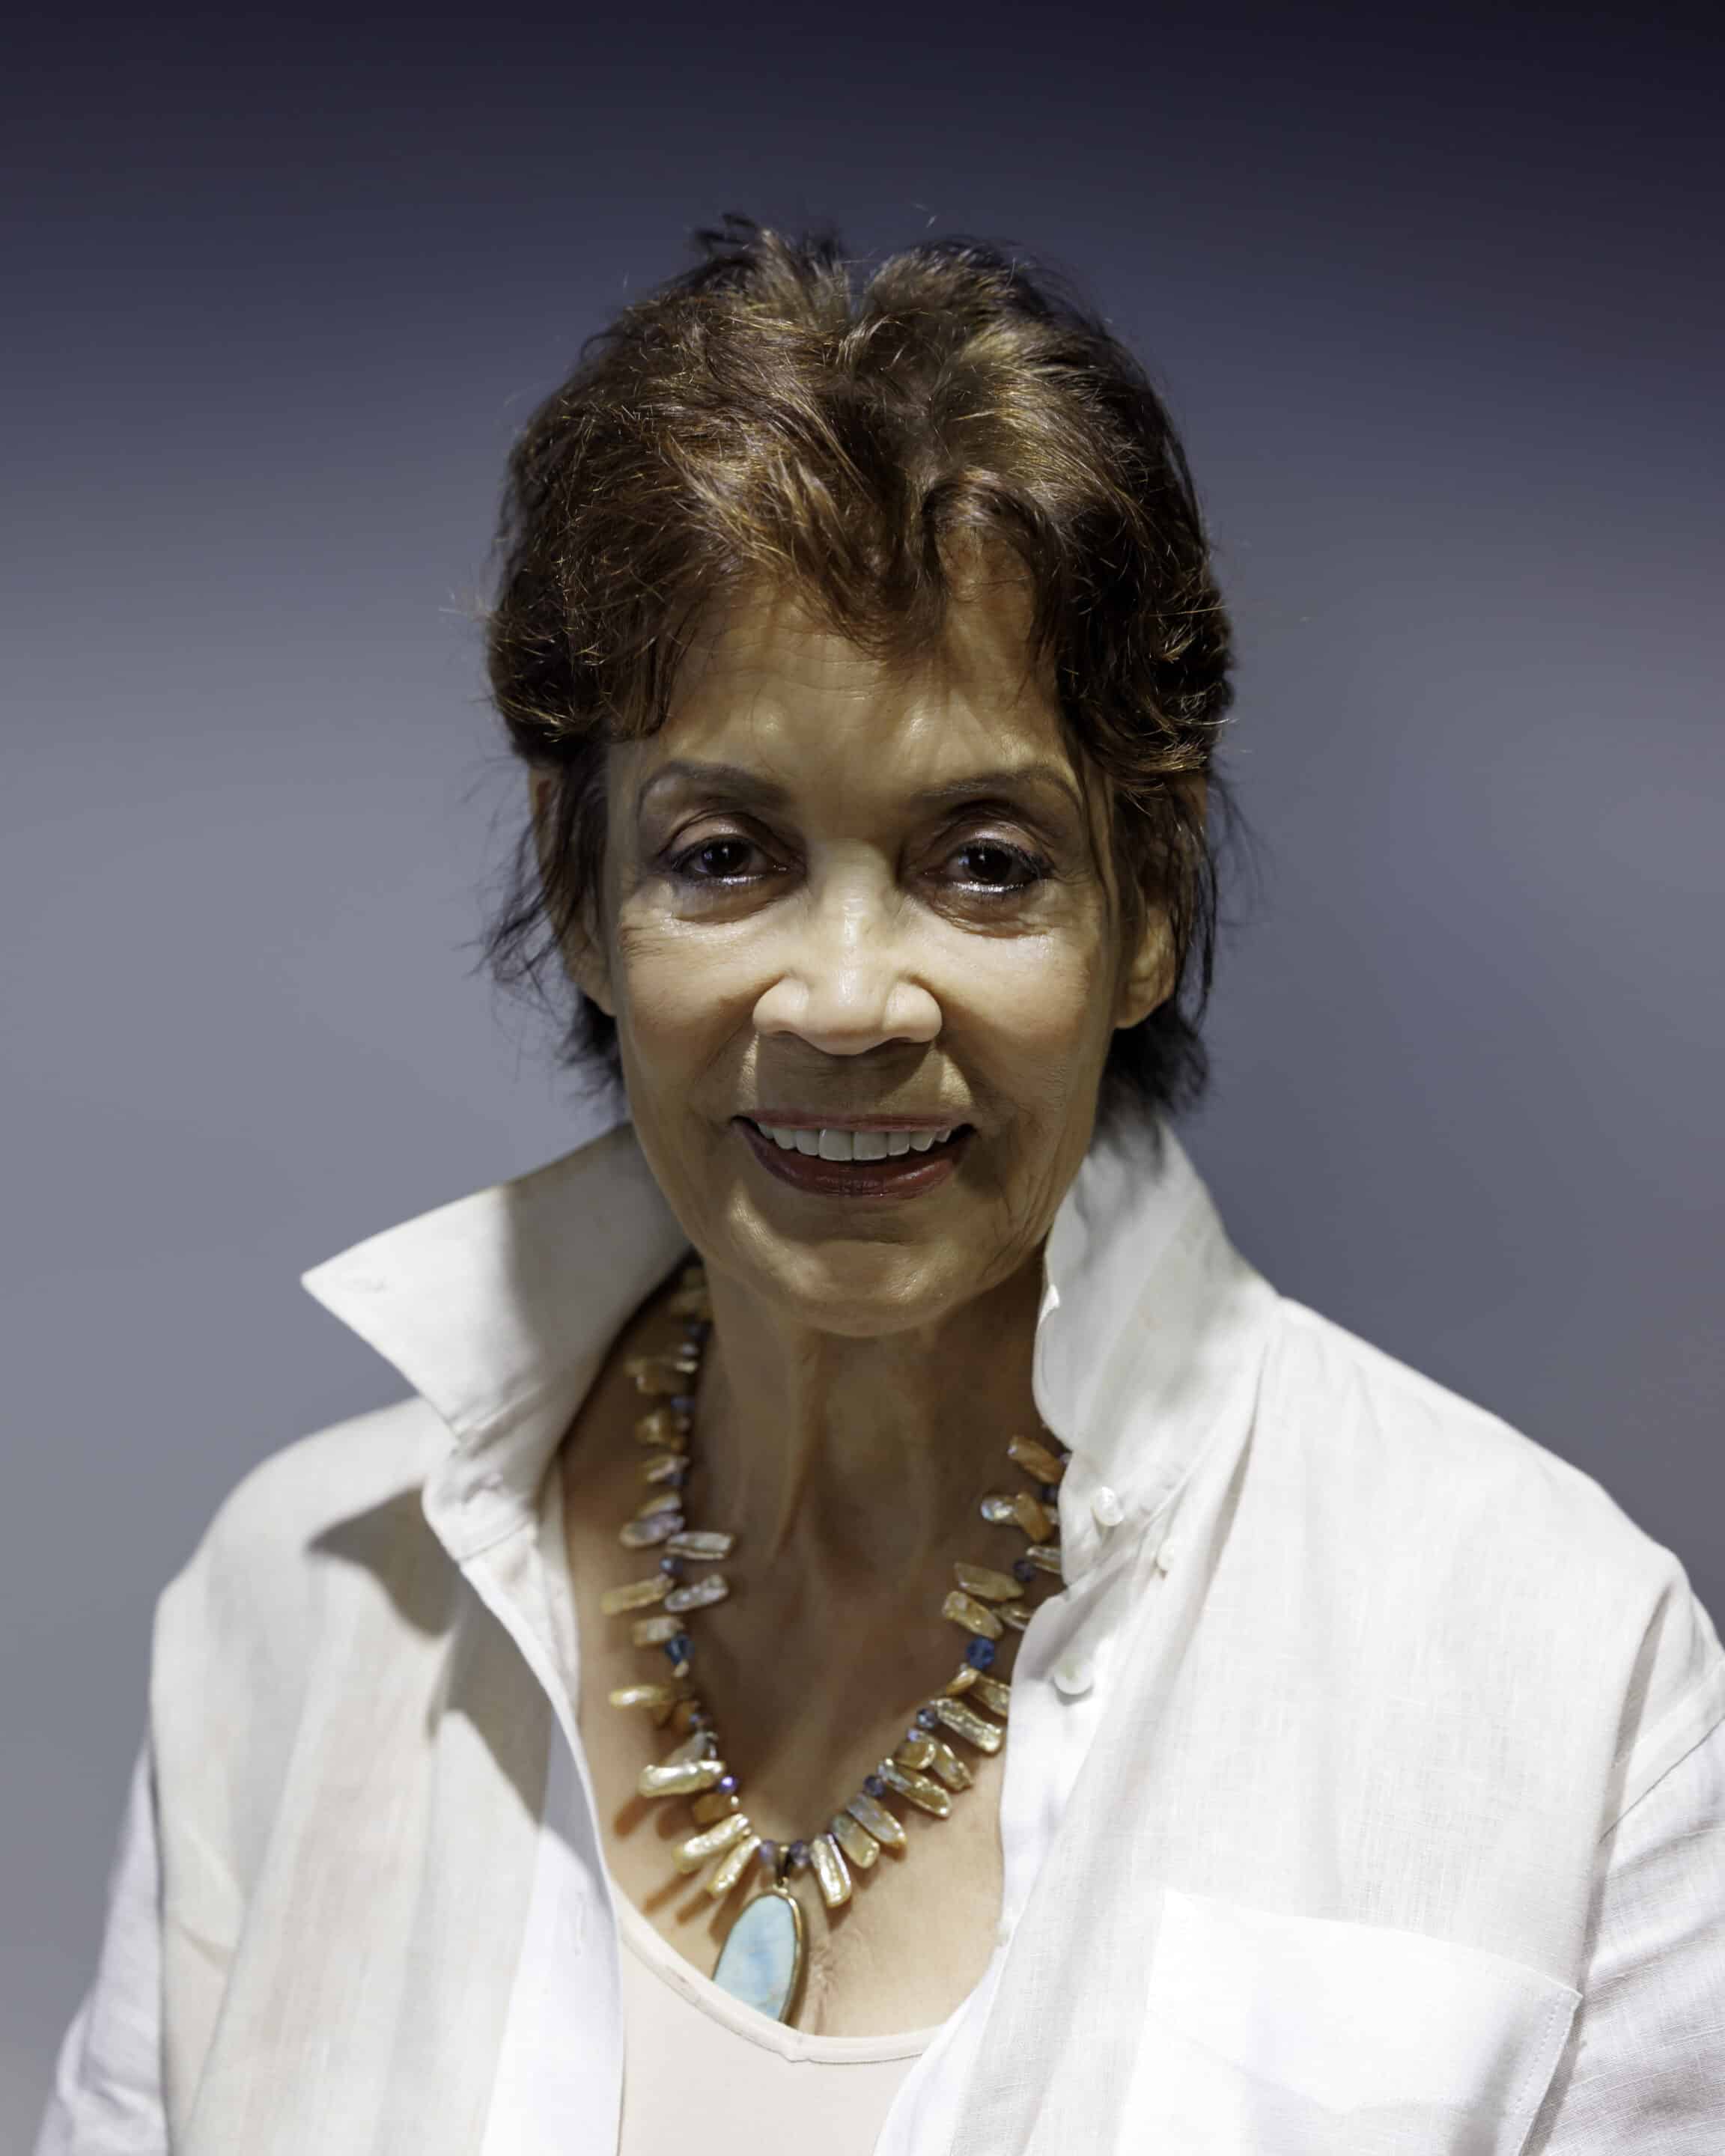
pixel 578 2109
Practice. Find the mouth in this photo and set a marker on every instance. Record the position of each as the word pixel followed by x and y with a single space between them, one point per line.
pixel 898 1158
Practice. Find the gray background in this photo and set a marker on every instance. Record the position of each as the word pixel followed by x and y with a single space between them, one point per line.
pixel 1434 299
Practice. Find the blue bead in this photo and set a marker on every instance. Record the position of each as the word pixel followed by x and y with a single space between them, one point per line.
pixel 677 1477
pixel 1024 1571
pixel 726 1785
pixel 980 1654
pixel 799 1856
pixel 671 1567
pixel 1050 1493
pixel 682 1403
pixel 679 1649
pixel 926 1718
pixel 873 1785
pixel 766 1856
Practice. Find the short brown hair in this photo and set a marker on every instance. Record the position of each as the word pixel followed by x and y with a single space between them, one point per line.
pixel 770 414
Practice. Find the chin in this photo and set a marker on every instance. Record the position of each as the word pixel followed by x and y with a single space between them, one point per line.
pixel 856 1285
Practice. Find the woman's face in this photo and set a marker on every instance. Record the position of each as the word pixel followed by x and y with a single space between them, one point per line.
pixel 846 907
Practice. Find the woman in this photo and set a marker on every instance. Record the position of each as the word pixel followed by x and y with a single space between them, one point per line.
pixel 873 1627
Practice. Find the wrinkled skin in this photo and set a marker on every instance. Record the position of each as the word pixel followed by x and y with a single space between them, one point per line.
pixel 849 944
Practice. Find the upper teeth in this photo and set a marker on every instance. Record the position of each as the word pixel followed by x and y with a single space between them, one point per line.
pixel 853 1145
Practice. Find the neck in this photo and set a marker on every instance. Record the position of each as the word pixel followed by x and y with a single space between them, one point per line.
pixel 861 1461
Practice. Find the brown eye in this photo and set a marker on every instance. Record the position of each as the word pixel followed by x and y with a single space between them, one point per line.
pixel 719 860
pixel 989 865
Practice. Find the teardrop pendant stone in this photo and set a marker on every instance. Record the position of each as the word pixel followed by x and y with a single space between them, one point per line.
pixel 761 1957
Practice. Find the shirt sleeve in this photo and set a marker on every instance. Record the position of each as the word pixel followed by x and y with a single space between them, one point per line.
pixel 106 2099
pixel 1645 2069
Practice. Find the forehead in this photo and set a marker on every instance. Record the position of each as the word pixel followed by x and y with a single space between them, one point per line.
pixel 766 681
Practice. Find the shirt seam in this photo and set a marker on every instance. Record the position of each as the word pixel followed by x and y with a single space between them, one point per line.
pixel 1674 1715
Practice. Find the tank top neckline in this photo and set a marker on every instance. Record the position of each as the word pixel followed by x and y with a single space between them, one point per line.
pixel 662 1958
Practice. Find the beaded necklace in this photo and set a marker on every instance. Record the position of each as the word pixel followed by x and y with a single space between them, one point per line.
pixel 761 1958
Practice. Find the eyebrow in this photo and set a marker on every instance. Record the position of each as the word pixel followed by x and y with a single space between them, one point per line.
pixel 741 784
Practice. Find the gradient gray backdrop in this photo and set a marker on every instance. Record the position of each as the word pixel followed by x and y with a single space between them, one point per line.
pixel 1436 301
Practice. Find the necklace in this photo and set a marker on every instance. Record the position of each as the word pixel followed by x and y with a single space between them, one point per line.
pixel 761 1958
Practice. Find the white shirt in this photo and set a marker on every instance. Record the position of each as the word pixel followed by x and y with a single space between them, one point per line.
pixel 1365 1789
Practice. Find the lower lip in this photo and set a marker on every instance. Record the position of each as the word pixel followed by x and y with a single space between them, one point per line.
pixel 905 1175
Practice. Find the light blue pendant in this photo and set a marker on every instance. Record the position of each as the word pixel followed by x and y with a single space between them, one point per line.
pixel 760 1962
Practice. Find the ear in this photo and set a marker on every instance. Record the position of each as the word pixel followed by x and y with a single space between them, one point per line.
pixel 1148 976
pixel 1147 979
pixel 584 956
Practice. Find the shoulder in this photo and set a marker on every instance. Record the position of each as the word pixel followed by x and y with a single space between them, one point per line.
pixel 1481 1529
pixel 307 1487
pixel 351 1489
pixel 1406 1434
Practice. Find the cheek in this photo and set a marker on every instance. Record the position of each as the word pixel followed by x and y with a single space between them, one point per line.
pixel 674 990
pixel 1043 998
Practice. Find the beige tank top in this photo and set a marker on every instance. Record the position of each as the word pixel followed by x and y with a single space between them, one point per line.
pixel 702 2070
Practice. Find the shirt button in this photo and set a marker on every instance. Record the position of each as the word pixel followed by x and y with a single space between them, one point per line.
pixel 1105 1508
pixel 1074 1675
pixel 1166 1555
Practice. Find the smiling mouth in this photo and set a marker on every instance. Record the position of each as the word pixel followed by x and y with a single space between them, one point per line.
pixel 866 1162
pixel 825 1142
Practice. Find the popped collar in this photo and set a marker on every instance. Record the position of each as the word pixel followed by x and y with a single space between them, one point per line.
pixel 498 1308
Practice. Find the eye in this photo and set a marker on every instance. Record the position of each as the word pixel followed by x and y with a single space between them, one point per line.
pixel 991 867
pixel 722 860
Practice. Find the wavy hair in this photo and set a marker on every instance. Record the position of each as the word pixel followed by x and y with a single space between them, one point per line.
pixel 776 413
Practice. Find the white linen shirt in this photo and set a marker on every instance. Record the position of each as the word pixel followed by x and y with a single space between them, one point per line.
pixel 1365 1792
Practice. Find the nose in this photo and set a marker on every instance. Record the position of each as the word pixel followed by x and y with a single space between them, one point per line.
pixel 845 984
